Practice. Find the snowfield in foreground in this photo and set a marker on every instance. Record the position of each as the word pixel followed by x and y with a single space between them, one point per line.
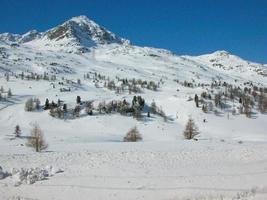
pixel 173 170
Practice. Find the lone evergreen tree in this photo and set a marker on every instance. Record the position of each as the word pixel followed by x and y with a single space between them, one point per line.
pixel 37 103
pixel 191 129
pixel 36 140
pixel 65 108
pixel 7 77
pixel 46 104
pixel 78 100
pixel 9 93
pixel 77 111
pixel 196 100
pixel 204 108
pixel 132 135
pixel 29 106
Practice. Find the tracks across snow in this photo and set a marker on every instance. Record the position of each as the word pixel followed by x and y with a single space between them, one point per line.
pixel 179 170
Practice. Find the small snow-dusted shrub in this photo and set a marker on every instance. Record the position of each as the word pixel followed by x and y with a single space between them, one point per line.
pixel 57 112
pixel 162 114
pixel 204 108
pixel 52 112
pixel 89 107
pixel 31 175
pixel 76 111
pixel 32 104
pixel 132 135
pixel 9 93
pixel 37 103
pixel 101 107
pixel 29 105
pixel 7 77
pixel 158 110
pixel 153 107
pixel 137 114
pixel 28 176
pixel 36 140
pixel 262 103
pixel 191 129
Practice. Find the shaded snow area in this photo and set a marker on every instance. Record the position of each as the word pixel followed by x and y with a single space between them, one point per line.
pixel 83 94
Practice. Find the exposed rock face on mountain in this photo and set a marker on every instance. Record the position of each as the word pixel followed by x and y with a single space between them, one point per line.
pixel 30 36
pixel 83 31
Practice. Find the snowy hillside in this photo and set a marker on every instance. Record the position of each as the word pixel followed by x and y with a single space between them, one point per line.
pixel 86 87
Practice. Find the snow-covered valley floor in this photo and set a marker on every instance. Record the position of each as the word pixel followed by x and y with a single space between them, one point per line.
pixel 206 169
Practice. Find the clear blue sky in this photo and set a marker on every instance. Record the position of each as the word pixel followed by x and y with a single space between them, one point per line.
pixel 182 26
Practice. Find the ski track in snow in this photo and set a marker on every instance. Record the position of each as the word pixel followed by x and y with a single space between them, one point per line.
pixel 139 172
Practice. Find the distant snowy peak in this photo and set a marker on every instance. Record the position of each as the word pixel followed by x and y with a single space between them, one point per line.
pixel 83 31
pixel 224 60
pixel 9 37
pixel 16 38
pixel 29 36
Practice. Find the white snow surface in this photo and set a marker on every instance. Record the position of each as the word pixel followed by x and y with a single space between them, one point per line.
pixel 229 160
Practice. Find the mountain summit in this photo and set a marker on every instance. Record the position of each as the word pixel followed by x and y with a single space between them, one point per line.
pixel 84 31
pixel 79 32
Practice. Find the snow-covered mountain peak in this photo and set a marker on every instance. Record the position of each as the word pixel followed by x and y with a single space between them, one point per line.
pixel 9 37
pixel 83 19
pixel 225 61
pixel 77 34
pixel 83 31
pixel 29 36
pixel 221 53
pixel 80 35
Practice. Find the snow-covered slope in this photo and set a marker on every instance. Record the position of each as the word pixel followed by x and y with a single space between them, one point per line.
pixel 81 36
pixel 230 150
pixel 225 61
